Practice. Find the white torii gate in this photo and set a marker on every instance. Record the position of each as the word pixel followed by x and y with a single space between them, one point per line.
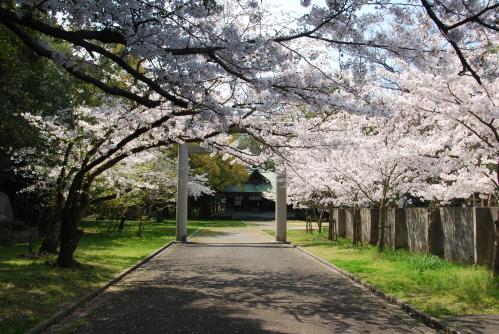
pixel 182 192
pixel 182 198
pixel 281 208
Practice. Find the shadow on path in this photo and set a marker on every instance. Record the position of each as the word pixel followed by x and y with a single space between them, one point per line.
pixel 224 284
pixel 479 324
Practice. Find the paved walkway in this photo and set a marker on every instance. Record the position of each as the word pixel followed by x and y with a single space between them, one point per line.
pixel 232 280
pixel 291 224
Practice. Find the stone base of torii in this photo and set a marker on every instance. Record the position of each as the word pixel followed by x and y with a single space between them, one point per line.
pixel 182 198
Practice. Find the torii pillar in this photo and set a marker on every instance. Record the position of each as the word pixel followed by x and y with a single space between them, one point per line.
pixel 182 179
pixel 281 208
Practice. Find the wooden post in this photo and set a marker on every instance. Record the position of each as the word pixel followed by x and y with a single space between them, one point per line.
pixel 496 251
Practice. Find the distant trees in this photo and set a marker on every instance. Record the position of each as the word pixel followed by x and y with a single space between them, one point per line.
pixel 85 144
pixel 142 185
pixel 34 85
pixel 220 173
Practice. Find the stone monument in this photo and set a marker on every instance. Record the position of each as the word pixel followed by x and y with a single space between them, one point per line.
pixel 11 229
pixel 6 214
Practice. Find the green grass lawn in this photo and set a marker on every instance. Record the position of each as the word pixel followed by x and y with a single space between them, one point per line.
pixel 31 289
pixel 427 282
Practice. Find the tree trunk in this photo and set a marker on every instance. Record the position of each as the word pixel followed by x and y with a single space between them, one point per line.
pixel 306 221
pixel 335 230
pixel 70 231
pixel 354 236
pixel 141 226
pixel 70 236
pixel 122 224
pixel 356 226
pixel 330 228
pixel 359 230
pixel 355 229
pixel 496 244
pixel 160 215
pixel 319 223
pixel 51 240
pixel 381 232
pixel 76 205
pixel 204 207
pixel 496 251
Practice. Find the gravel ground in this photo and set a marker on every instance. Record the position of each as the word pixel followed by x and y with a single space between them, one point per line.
pixel 232 280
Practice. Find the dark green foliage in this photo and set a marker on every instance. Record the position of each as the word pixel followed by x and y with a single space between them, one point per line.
pixel 34 85
pixel 31 84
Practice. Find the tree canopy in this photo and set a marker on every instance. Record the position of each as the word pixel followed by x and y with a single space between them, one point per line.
pixel 383 95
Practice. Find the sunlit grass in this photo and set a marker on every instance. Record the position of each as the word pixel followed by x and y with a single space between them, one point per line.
pixel 32 289
pixel 427 282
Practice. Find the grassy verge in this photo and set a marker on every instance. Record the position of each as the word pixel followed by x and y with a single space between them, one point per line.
pixel 427 282
pixel 31 289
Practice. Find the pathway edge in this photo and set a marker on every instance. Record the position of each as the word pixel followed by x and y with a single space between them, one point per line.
pixel 414 313
pixel 58 316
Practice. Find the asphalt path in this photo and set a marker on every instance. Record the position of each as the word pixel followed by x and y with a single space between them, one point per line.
pixel 233 280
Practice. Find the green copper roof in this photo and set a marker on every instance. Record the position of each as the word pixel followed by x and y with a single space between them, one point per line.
pixel 256 188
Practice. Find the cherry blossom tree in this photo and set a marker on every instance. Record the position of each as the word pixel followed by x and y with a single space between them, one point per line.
pixel 181 52
pixel 142 183
pixel 357 160
pixel 84 145
pixel 188 53
pixel 462 115
pixel 199 71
